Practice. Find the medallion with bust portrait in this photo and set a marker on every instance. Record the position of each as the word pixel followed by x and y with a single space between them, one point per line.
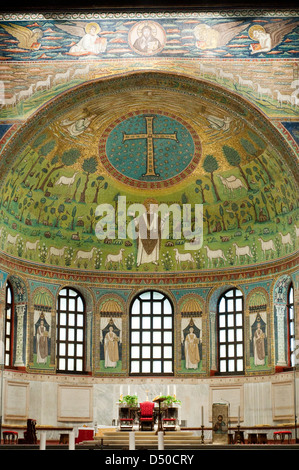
pixel 147 38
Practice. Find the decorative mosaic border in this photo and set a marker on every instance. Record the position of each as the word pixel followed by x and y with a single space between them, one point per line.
pixel 123 279
pixel 150 14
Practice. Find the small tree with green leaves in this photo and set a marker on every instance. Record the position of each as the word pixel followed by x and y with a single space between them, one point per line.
pixel 210 165
pixel 234 213
pixel 68 158
pixel 89 166
pixel 201 189
pixel 74 211
pixel 97 185
pixel 234 159
pixel 61 209
pixel 76 189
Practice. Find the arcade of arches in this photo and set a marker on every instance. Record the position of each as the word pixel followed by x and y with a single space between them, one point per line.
pixel 205 307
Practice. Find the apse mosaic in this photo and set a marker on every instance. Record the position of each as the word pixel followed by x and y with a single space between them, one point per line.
pixel 199 145
pixel 103 135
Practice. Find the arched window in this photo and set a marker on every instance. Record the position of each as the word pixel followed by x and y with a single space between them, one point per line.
pixel 151 334
pixel 8 341
pixel 230 332
pixel 291 325
pixel 70 331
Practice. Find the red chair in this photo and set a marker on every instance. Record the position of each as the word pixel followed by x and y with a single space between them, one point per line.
pixel 146 418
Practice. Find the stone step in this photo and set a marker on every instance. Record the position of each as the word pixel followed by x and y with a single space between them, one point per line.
pixel 147 433
pixel 174 439
pixel 151 440
pixel 148 444
pixel 147 439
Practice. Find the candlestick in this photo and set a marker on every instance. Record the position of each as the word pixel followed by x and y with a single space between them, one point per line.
pixel 202 415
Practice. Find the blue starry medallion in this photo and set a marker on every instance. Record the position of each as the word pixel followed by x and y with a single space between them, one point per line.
pixel 147 149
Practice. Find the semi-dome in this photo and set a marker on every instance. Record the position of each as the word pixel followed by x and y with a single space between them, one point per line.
pixel 151 136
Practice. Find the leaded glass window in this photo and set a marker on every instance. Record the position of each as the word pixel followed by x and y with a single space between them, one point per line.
pixel 70 331
pixel 230 332
pixel 151 334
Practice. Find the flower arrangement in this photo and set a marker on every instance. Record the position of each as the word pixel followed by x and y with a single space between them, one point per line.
pixel 130 400
pixel 170 399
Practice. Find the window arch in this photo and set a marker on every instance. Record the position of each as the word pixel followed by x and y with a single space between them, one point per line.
pixel 70 344
pixel 151 334
pixel 8 340
pixel 230 332
pixel 291 325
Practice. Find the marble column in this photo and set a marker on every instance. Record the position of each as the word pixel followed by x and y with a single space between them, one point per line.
pixel 20 311
pixel 213 341
pixel 89 342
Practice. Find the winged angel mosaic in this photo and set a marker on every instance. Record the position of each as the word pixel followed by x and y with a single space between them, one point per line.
pixel 234 38
pixel 90 42
pixel 218 35
pixel 269 36
pixel 27 38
